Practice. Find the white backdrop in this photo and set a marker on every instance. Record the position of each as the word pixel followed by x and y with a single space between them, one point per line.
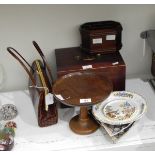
pixel 57 26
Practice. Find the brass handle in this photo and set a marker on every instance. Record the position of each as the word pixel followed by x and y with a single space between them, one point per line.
pixel 87 58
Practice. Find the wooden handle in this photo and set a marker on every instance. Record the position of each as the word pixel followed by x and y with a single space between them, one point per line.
pixel 12 51
pixel 40 52
pixel 44 60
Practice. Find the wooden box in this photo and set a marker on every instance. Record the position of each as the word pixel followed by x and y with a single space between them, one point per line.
pixel 70 60
pixel 101 37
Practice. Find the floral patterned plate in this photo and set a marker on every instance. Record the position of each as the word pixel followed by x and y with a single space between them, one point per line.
pixel 121 107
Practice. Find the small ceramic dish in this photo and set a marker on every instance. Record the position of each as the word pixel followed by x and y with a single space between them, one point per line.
pixel 121 107
pixel 8 112
pixel 6 141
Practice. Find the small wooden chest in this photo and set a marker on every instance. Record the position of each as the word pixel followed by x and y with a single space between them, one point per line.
pixel 70 60
pixel 101 37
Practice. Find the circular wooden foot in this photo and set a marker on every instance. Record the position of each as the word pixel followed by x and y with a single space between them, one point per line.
pixel 83 127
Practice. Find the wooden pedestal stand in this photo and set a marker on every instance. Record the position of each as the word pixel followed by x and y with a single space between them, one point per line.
pixel 82 89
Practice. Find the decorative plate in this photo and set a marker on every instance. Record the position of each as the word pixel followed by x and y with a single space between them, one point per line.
pixel 121 107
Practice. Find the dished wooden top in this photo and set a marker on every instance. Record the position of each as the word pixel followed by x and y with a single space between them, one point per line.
pixel 73 87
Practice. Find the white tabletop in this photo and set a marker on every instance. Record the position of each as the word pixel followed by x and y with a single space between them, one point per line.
pixel 59 136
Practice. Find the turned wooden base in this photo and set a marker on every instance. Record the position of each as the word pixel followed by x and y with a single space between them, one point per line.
pixel 83 124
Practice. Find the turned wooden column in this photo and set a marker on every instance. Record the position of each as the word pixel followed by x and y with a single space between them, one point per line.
pixel 83 113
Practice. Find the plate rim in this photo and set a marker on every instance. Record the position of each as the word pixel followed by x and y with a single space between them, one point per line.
pixel 120 122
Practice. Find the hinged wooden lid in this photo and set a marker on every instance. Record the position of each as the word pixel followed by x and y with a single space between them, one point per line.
pixel 73 59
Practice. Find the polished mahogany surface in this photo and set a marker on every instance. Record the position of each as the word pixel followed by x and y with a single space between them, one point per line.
pixel 82 88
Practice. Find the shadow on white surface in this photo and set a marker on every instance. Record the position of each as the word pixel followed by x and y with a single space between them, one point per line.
pixel 150 93
pixel 25 108
pixel 145 90
pixel 67 115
